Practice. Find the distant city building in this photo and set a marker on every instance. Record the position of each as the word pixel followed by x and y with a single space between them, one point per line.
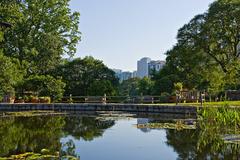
pixel 126 76
pixel 142 67
pixel 134 74
pixel 156 65
pixel 146 65
pixel 118 73
pixel 122 76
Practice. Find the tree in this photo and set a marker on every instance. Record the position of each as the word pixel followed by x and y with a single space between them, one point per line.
pixel 42 32
pixel 222 33
pixel 45 86
pixel 101 87
pixel 205 56
pixel 145 86
pixel 10 75
pixel 129 87
pixel 87 76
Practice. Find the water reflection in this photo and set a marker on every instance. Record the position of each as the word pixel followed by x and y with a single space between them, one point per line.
pixel 62 135
pixel 19 135
pixel 32 134
pixel 86 128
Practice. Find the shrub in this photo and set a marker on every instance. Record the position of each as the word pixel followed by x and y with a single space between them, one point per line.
pixel 45 85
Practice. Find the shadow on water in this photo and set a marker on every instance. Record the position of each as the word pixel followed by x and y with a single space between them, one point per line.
pixel 19 135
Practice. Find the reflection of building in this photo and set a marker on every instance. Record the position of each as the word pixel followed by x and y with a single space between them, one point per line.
pixel 141 122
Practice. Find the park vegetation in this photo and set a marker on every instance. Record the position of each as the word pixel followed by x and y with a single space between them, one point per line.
pixel 32 51
pixel 206 56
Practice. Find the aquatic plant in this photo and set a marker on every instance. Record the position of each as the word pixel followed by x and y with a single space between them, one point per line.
pixel 224 116
pixel 37 156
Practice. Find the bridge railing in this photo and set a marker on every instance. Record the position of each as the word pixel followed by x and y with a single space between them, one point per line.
pixel 114 99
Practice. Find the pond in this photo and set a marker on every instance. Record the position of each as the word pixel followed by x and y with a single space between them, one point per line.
pixel 113 136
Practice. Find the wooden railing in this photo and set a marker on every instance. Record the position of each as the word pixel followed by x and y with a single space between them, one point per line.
pixel 113 99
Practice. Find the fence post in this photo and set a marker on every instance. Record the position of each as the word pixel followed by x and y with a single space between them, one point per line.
pixel 105 99
pixel 70 98
pixel 177 97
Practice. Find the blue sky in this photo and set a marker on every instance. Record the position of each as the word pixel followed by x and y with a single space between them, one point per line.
pixel 120 32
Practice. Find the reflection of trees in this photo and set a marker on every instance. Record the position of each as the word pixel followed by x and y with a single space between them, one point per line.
pixel 20 134
pixel 183 142
pixel 86 128
pixel 32 134
pixel 203 143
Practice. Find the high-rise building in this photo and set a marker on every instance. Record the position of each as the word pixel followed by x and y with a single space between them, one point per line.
pixel 122 76
pixel 155 66
pixel 118 73
pixel 126 76
pixel 142 67
pixel 134 74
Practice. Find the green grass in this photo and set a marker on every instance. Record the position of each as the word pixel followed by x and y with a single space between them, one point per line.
pixel 215 104
pixel 205 104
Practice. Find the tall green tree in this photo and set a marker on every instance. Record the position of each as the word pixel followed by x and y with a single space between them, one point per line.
pixel 129 87
pixel 10 75
pixel 205 56
pixel 145 86
pixel 87 76
pixel 10 72
pixel 43 31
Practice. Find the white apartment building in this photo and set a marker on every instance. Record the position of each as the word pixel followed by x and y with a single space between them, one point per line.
pixel 142 67
pixel 155 65
pixel 146 65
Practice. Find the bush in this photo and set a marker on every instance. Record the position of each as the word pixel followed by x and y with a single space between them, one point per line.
pixel 164 98
pixel 45 86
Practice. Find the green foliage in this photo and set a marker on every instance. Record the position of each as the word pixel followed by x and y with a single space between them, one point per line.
pixel 145 86
pixel 221 116
pixel 101 87
pixel 42 32
pixel 45 86
pixel 87 76
pixel 205 56
pixel 164 84
pixel 178 86
pixel 10 75
pixel 129 87
pixel 164 98
pixel 136 87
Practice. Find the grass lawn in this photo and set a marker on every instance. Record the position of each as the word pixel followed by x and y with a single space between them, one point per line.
pixel 212 104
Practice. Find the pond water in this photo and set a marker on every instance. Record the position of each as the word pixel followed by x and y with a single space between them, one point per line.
pixel 97 137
